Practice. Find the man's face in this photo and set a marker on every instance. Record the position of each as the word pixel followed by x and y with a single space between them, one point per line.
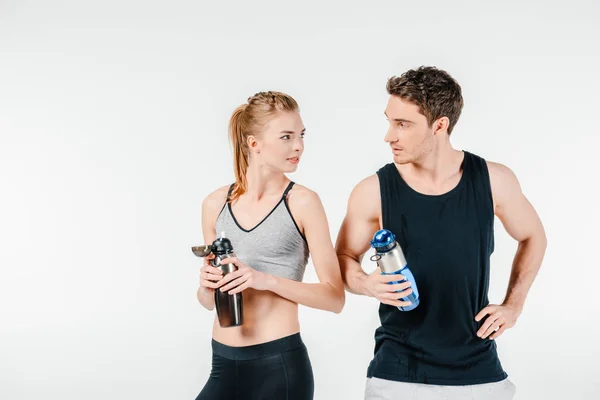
pixel 409 134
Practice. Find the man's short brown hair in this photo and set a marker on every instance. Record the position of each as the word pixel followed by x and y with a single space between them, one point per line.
pixel 435 92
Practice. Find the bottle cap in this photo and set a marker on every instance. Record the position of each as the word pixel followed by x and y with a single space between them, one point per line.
pixel 222 245
pixel 383 241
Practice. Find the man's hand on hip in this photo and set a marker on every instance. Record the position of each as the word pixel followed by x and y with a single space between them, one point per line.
pixel 500 318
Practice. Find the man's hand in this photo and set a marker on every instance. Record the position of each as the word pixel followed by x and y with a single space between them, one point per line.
pixel 500 318
pixel 377 285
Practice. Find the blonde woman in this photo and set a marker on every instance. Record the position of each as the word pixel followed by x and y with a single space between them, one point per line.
pixel 272 224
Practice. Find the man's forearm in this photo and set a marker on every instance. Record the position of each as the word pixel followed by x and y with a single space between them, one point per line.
pixel 526 265
pixel 353 275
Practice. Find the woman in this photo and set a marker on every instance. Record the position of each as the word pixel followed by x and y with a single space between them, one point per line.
pixel 272 223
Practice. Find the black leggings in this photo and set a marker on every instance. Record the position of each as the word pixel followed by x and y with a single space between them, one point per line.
pixel 277 370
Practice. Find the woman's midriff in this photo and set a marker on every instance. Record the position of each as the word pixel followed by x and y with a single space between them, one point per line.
pixel 266 317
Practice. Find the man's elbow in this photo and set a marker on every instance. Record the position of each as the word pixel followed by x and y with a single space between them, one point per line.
pixel 541 237
pixel 537 240
pixel 544 240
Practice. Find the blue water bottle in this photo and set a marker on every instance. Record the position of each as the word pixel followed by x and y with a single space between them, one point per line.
pixel 391 260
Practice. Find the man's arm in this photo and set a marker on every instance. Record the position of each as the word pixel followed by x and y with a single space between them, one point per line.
pixel 362 220
pixel 522 223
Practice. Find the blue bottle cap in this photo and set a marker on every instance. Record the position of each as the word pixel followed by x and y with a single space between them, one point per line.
pixel 383 240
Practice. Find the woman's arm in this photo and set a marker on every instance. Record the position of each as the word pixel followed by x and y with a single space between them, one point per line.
pixel 211 207
pixel 307 209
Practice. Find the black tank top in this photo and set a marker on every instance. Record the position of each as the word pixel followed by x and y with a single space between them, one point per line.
pixel 448 240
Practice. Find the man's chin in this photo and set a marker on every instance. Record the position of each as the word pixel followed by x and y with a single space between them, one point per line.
pixel 402 159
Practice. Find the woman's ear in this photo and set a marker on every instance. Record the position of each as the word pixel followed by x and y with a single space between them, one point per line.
pixel 253 144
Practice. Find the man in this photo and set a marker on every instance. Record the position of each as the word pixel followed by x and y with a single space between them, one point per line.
pixel 440 204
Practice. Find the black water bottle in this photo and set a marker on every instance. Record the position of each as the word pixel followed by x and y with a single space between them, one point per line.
pixel 229 306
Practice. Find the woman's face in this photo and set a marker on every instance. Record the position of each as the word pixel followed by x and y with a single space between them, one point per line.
pixel 281 143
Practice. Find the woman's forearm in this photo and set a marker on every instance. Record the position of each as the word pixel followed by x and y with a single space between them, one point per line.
pixel 206 297
pixel 323 295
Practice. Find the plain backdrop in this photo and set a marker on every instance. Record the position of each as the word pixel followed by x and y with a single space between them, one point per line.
pixel 113 124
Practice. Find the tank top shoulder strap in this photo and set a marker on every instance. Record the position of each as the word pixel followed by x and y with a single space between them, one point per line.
pixel 227 198
pixel 477 170
pixel 287 206
pixel 229 192
pixel 388 175
pixel 287 189
pixel 479 178
pixel 392 192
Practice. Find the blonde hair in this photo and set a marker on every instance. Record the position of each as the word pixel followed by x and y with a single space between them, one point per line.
pixel 248 120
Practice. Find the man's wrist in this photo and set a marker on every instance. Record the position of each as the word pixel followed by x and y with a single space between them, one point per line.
pixel 361 279
pixel 515 305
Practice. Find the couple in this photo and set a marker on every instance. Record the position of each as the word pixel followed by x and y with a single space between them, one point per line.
pixel 440 203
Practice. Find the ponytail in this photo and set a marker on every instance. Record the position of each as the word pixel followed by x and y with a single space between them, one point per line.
pixel 240 152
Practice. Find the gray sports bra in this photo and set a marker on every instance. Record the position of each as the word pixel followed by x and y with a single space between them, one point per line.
pixel 274 246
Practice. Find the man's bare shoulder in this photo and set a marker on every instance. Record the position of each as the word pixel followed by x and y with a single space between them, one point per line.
pixel 504 183
pixel 502 177
pixel 367 185
pixel 365 198
pixel 499 170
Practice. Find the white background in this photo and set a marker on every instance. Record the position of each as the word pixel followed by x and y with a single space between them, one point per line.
pixel 113 119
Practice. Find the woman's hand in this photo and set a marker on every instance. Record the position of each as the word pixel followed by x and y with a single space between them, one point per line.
pixel 209 275
pixel 245 277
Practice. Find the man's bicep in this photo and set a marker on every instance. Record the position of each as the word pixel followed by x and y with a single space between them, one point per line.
pixel 514 210
pixel 359 225
pixel 518 217
pixel 354 237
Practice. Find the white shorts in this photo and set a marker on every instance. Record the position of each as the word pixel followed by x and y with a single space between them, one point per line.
pixel 382 389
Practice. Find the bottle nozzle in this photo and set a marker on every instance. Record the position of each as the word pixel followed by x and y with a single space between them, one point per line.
pixel 222 235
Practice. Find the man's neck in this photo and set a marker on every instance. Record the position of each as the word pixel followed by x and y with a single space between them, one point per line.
pixel 437 166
